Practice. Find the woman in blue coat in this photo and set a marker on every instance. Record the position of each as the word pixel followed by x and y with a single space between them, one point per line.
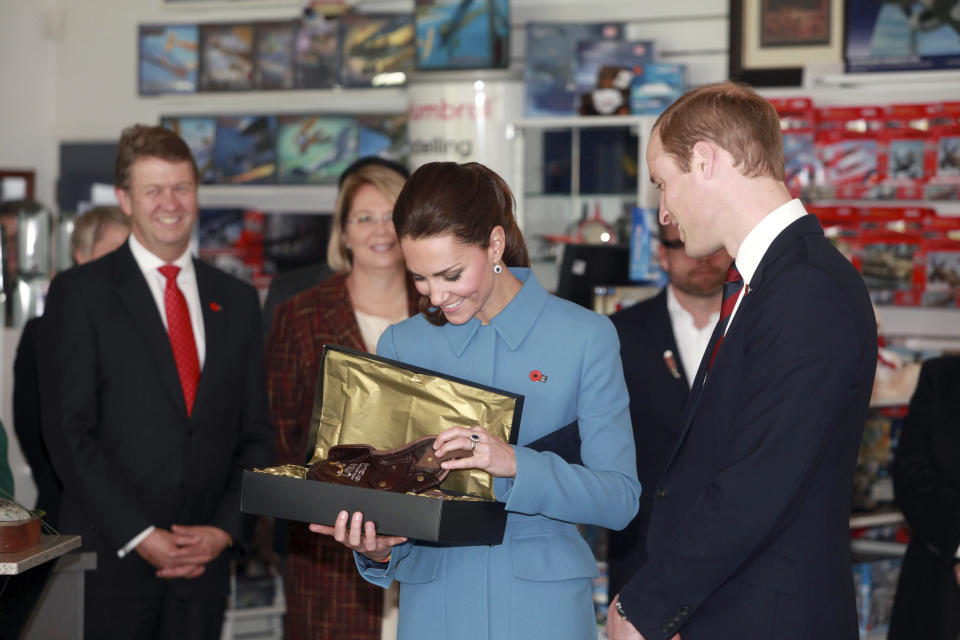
pixel 487 319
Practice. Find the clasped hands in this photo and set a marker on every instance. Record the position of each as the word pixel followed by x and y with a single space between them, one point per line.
pixel 183 551
pixel 489 453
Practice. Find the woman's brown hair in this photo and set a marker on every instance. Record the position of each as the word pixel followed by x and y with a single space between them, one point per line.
pixel 464 200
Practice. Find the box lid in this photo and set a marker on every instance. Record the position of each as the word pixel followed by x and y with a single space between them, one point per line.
pixel 367 399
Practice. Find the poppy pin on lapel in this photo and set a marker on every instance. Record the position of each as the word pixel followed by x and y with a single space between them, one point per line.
pixel 215 306
pixel 536 376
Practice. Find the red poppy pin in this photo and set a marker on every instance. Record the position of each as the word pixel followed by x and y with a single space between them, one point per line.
pixel 536 376
pixel 215 306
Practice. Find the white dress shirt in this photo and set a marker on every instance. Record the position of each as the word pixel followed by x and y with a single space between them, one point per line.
pixel 157 282
pixel 759 239
pixel 691 341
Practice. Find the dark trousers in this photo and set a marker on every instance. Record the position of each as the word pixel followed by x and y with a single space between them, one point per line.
pixel 159 615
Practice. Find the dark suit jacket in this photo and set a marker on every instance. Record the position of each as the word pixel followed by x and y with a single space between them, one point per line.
pixel 657 400
pixel 26 422
pixel 749 536
pixel 926 477
pixel 118 431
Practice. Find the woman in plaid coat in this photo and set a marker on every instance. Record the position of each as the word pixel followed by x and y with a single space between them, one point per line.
pixel 326 598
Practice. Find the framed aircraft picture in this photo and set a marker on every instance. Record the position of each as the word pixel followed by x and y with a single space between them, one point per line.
pixel 462 34
pixel 377 50
pixel 901 36
pixel 199 132
pixel 244 151
pixel 168 59
pixel 226 57
pixel 314 148
pixel 273 67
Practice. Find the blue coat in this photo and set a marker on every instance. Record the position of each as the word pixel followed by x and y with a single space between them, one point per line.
pixel 537 583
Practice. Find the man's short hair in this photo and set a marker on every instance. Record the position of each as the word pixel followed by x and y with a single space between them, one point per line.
pixel 734 117
pixel 143 141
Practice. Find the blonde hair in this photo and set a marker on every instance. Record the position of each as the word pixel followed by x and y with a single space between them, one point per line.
pixel 89 227
pixel 387 181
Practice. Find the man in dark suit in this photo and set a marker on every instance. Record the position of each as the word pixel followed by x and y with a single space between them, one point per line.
pixel 662 341
pixel 96 233
pixel 749 536
pixel 153 374
pixel 926 481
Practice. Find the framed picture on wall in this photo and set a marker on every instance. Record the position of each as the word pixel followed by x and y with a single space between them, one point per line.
pixel 167 59
pixel 377 50
pixel 772 40
pixel 885 36
pixel 226 57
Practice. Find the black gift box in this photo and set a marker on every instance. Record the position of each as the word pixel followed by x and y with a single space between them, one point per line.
pixel 355 388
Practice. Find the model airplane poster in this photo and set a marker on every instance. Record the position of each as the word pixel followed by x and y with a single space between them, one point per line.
pixel 384 136
pixel 245 150
pixel 551 63
pixel 315 149
pixel 605 72
pixel 889 35
pixel 274 60
pixel 199 133
pixel 168 59
pixel 226 57
pixel 317 54
pixel 462 34
pixel 377 50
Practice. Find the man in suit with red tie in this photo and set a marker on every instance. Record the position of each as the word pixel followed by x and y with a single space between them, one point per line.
pixel 749 535
pixel 155 382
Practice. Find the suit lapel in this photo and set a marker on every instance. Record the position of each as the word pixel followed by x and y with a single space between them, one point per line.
pixel 804 225
pixel 135 296
pixel 215 315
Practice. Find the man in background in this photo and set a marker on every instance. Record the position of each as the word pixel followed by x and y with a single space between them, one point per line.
pixel 662 341
pixel 749 535
pixel 96 233
pixel 152 370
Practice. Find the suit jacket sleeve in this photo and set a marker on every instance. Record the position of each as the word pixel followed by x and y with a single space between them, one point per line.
pixel 69 370
pixel 801 365
pixel 928 497
pixel 254 440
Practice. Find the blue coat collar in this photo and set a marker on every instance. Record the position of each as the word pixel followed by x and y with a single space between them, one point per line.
pixel 513 323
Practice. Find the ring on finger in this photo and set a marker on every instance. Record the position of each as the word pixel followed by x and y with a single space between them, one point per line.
pixel 474 439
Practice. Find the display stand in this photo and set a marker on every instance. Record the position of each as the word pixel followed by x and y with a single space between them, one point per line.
pixel 24 575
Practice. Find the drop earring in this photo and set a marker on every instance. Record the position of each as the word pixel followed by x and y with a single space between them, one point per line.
pixel 497 268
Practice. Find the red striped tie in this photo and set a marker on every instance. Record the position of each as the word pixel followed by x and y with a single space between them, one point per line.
pixel 181 335
pixel 732 286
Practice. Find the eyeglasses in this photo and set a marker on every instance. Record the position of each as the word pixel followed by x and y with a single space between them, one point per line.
pixel 672 244
pixel 367 220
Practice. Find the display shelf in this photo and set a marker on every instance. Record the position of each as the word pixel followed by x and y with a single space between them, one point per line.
pixel 327 101
pixel 875 519
pixel 878 547
pixel 276 198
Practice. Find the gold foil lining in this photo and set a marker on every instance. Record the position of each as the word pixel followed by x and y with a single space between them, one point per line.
pixel 287 470
pixel 360 400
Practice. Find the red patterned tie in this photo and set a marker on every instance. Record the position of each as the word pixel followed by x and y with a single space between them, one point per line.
pixel 732 286
pixel 181 335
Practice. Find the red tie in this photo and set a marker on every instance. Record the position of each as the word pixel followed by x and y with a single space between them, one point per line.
pixel 181 335
pixel 732 286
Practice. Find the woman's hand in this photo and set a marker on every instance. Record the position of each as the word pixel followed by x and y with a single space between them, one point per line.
pixel 360 537
pixel 488 452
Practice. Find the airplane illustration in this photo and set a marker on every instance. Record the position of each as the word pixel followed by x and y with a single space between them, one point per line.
pixel 933 15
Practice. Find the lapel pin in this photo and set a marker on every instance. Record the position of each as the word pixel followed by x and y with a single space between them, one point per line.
pixel 215 306
pixel 536 376
pixel 671 363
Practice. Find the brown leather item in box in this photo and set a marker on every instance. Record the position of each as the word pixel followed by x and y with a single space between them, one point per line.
pixel 19 534
pixel 412 468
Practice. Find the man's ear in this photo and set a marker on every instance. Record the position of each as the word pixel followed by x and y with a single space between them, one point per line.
pixel 704 158
pixel 124 199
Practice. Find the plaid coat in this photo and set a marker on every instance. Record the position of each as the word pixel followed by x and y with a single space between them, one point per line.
pixel 326 597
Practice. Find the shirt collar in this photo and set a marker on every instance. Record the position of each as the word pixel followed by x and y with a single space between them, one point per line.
pixel 514 321
pixel 150 262
pixel 675 309
pixel 762 236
